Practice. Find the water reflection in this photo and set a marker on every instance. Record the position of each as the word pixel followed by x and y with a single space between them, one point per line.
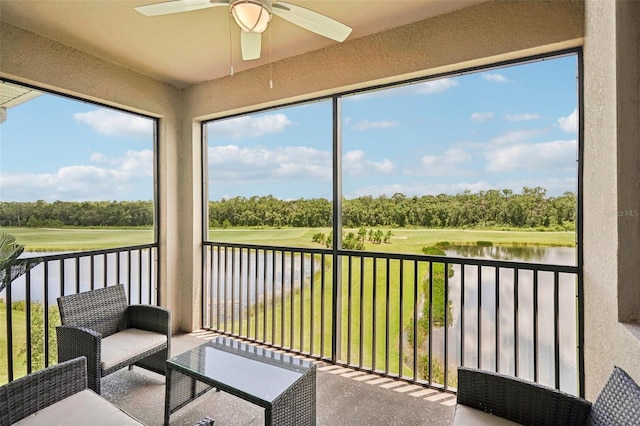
pixel 77 274
pixel 485 313
pixel 524 253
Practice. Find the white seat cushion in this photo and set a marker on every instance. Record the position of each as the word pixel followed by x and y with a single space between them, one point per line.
pixel 467 416
pixel 128 343
pixel 82 408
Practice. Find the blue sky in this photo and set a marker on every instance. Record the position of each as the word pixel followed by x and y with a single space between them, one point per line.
pixel 500 129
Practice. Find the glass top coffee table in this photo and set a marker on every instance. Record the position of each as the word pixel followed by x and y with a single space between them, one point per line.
pixel 285 386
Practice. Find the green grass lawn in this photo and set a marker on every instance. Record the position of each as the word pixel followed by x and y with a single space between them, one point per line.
pixel 402 240
pixel 78 239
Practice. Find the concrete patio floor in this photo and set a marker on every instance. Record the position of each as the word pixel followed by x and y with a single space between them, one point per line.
pixel 344 397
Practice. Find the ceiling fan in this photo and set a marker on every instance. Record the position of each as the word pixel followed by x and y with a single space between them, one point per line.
pixel 253 16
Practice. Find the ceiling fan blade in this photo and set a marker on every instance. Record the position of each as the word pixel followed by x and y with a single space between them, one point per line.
pixel 250 44
pixel 178 6
pixel 312 21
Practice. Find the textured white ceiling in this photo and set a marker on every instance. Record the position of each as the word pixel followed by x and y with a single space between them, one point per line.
pixel 202 45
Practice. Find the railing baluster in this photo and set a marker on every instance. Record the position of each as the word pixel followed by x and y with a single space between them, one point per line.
pixel 516 303
pixel 91 271
pixel 241 285
pixel 401 314
pixel 430 336
pixel 556 328
pixel 374 313
pixel 387 316
pixel 292 301
pixel 9 321
pixel 349 320
pixel 129 276
pixel 28 319
pixel 416 284
pixel 497 319
pixel 322 303
pixel 446 325
pixel 479 318
pixel 301 301
pixel 273 297
pixel 282 298
pixel 361 335
pixel 233 290
pixel 312 299
pixel 213 283
pixel 462 309
pixel 77 264
pixel 535 327
pixel 105 270
pixel 46 313
pixel 264 295
pixel 226 278
pixel 139 275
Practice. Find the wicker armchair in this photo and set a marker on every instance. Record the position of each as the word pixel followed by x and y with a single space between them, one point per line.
pixel 100 325
pixel 488 398
pixel 57 395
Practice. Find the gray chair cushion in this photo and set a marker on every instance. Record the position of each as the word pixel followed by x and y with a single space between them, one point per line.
pixel 618 403
pixel 128 344
pixel 467 416
pixel 84 407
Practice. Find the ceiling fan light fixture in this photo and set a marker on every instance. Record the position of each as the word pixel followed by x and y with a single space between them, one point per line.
pixel 252 16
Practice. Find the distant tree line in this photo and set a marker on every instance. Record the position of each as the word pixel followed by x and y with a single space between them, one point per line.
pixel 531 208
pixel 41 214
pixel 494 208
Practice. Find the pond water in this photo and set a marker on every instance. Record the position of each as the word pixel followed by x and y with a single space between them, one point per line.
pixel 463 342
pixel 80 273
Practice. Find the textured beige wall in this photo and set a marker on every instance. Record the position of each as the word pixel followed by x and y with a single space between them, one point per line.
pixel 610 240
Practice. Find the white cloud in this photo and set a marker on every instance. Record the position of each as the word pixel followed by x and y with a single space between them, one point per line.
pixel 259 164
pixel 436 86
pixel 249 127
pixel 522 117
pixel 481 117
pixel 364 125
pixel 570 123
pixel 495 78
pixel 115 123
pixel 82 182
pixel 515 136
pixel 425 88
pixel 355 164
pixel 553 156
pixel 446 164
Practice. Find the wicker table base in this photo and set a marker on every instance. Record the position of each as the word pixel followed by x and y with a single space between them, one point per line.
pixel 283 385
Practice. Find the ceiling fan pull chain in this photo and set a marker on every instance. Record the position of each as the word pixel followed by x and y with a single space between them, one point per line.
pixel 230 48
pixel 270 63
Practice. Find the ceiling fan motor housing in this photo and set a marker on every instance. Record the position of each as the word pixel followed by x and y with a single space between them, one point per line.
pixel 252 16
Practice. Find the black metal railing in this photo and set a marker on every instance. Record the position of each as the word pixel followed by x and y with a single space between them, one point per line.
pixel 409 317
pixel 30 312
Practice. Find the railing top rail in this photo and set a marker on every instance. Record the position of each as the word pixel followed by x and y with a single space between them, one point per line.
pixel 571 269
pixel 71 255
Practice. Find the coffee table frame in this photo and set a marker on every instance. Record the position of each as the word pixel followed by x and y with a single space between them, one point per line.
pixel 296 405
